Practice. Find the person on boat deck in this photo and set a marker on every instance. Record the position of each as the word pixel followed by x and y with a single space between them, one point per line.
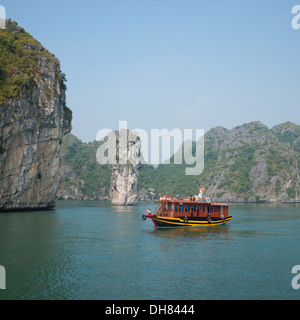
pixel 148 211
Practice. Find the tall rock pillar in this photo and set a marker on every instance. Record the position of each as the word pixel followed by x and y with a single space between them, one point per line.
pixel 124 179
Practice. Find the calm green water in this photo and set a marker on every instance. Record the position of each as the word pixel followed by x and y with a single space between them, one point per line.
pixel 91 250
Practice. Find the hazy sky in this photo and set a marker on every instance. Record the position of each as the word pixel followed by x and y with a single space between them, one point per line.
pixel 170 63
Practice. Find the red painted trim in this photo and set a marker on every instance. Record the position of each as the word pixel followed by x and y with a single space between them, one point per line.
pixel 151 217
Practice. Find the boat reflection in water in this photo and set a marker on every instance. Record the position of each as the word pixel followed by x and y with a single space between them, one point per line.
pixel 204 233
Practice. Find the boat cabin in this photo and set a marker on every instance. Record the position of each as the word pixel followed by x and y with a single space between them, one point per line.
pixel 175 207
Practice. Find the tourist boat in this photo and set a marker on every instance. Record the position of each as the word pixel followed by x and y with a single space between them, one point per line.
pixel 189 211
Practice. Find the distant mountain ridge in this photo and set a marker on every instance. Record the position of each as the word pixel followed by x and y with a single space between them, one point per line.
pixel 252 163
pixel 249 163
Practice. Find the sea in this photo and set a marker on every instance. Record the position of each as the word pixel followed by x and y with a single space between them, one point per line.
pixel 89 250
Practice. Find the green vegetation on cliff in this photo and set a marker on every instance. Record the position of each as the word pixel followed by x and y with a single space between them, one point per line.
pixel 19 53
pixel 288 132
pixel 81 169
pixel 33 120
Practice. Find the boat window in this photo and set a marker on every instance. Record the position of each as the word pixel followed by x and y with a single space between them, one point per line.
pixel 203 208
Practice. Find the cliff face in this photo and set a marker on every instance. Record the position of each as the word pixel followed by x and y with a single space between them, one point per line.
pixel 124 179
pixel 33 120
pixel 252 163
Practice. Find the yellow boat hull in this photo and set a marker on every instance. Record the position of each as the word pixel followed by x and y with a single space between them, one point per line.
pixel 189 222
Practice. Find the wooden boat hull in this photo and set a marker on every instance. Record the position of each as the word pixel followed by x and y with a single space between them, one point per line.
pixel 189 222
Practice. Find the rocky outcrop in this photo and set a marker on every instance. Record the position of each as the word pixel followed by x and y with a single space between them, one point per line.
pixel 252 163
pixel 32 125
pixel 73 187
pixel 147 195
pixel 124 179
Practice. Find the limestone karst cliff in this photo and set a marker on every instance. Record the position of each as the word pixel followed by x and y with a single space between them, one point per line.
pixel 252 163
pixel 33 120
pixel 124 179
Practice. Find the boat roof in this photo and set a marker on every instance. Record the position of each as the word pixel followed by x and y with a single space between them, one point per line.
pixel 192 200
